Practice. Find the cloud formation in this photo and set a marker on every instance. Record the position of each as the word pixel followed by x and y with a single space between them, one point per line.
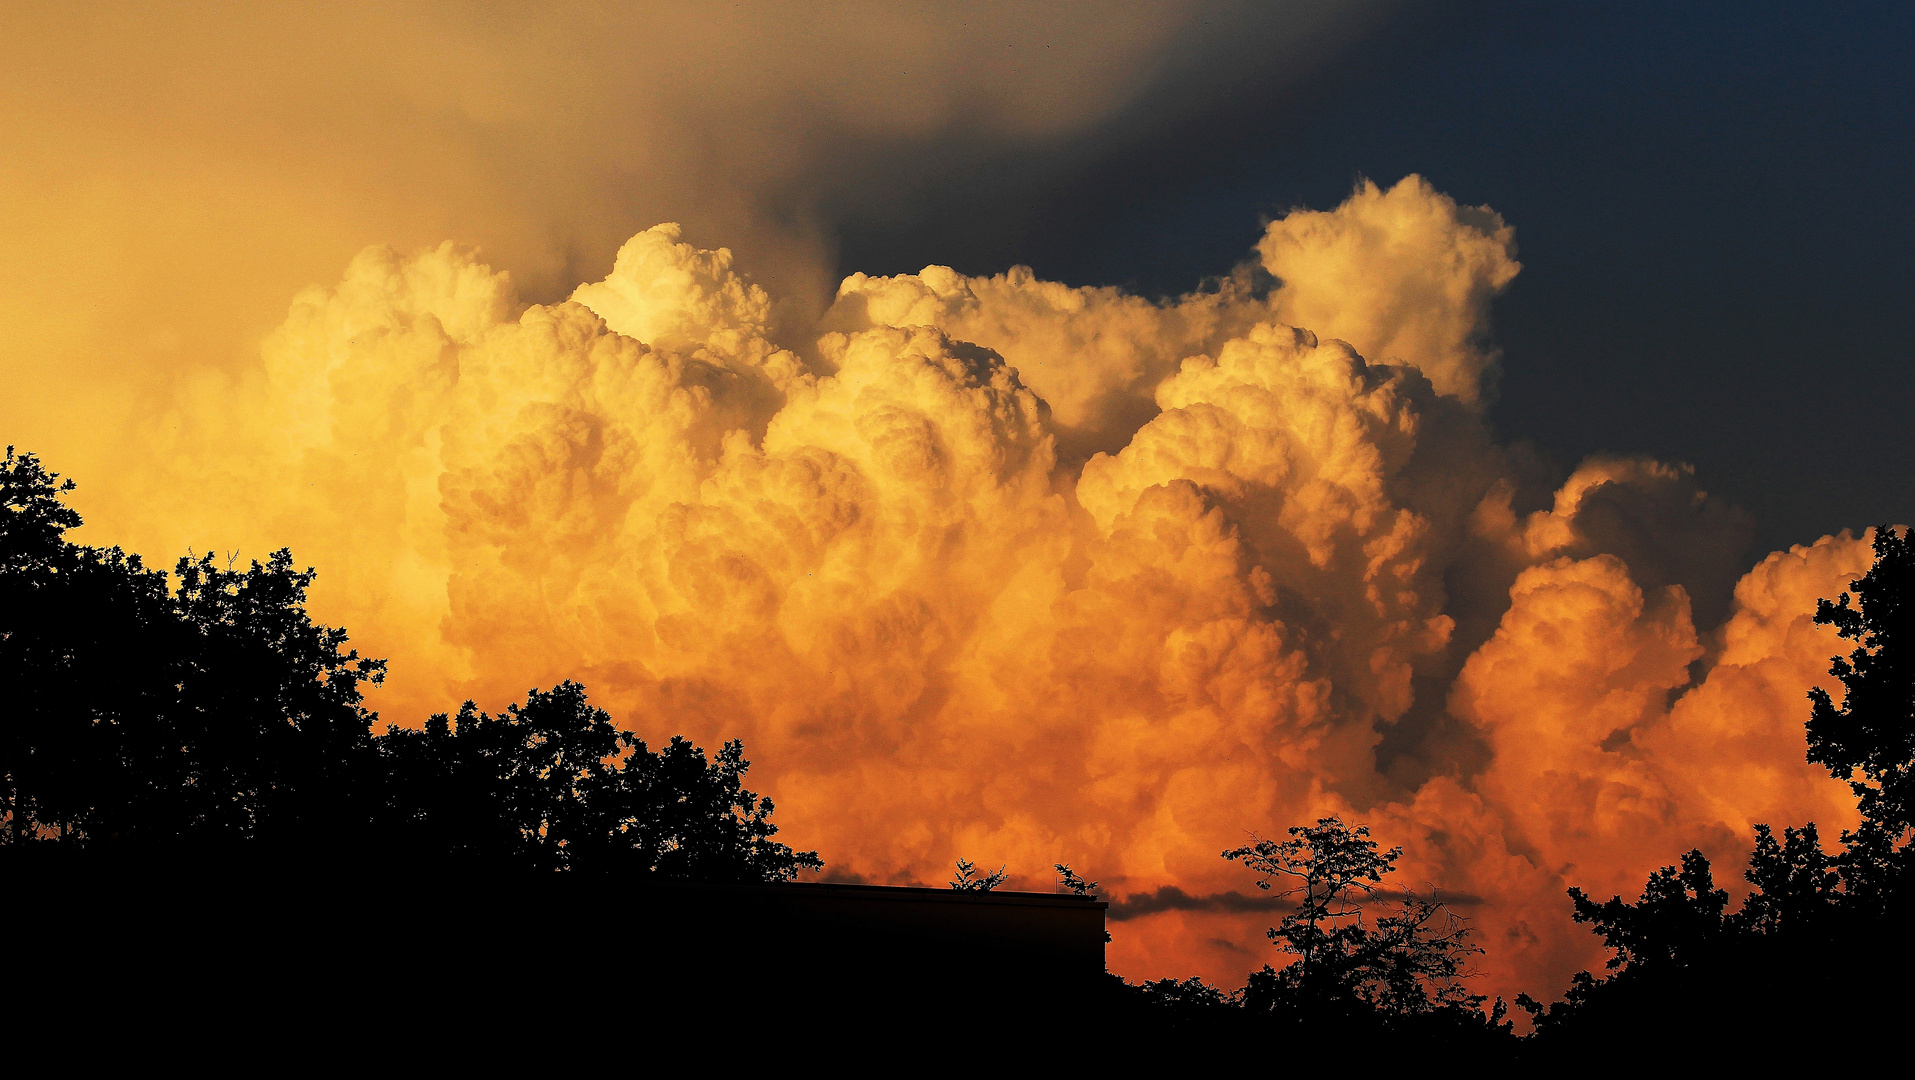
pixel 1005 569
pixel 169 175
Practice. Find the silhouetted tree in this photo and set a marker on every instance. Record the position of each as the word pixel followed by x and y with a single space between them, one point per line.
pixel 551 784
pixel 1681 965
pixel 1069 880
pixel 968 878
pixel 1873 730
pixel 1405 963
pixel 1821 937
pixel 1796 883
pixel 268 736
pixel 1416 960
pixel 1655 943
pixel 1327 867
pixel 1815 935
pixel 33 520
pixel 216 714
pixel 36 565
pixel 1187 1001
pixel 1679 916
pixel 213 712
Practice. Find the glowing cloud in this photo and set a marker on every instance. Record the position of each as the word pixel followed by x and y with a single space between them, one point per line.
pixel 1004 569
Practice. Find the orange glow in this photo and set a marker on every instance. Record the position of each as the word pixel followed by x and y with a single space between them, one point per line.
pixel 988 567
pixel 939 638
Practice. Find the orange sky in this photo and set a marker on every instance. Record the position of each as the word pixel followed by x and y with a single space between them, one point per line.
pixel 991 567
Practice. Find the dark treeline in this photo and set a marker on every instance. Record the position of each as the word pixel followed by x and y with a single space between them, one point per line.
pixel 1821 944
pixel 201 719
pixel 205 716
pixel 1819 947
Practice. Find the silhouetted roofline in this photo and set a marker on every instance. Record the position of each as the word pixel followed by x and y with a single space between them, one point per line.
pixel 917 893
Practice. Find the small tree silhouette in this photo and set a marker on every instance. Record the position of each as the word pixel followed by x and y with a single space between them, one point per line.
pixel 212 712
pixel 969 880
pixel 1069 880
pixel 1325 866
pixel 33 520
pixel 1796 882
pixel 1407 962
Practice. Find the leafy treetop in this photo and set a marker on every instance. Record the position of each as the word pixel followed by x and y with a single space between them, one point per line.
pixel 551 784
pixel 1679 915
pixel 1873 730
pixel 1325 866
pixel 1408 962
pixel 213 713
pixel 1067 878
pixel 969 879
pixel 33 520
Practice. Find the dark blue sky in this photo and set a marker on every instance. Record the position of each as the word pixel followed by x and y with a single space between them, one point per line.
pixel 1713 205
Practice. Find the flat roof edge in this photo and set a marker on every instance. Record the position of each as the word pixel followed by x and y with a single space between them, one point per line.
pixel 921 893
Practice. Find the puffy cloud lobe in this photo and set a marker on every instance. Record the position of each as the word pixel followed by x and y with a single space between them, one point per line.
pixel 1302 440
pixel 1095 355
pixel 1582 659
pixel 1725 732
pixel 1404 275
pixel 897 561
pixel 1650 514
pixel 674 296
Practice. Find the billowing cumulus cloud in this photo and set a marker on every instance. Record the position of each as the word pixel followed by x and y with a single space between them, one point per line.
pixel 1005 569
pixel 170 174
pixel 1404 275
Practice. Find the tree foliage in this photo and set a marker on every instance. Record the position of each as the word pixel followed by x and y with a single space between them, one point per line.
pixel 141 711
pixel 33 519
pixel 970 879
pixel 1797 884
pixel 1873 731
pixel 1410 961
pixel 208 710
pixel 552 784
pixel 1820 935
pixel 1678 918
pixel 1068 879
pixel 1186 999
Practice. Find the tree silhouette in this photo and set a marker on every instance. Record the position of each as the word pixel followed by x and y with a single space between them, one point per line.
pixel 1186 1001
pixel 210 712
pixel 1327 866
pixel 217 713
pixel 1873 730
pixel 213 712
pixel 1070 881
pixel 35 566
pixel 1405 963
pixel 33 520
pixel 1821 936
pixel 1796 883
pixel 1657 944
pixel 274 737
pixel 968 878
pixel 1416 960
pixel 1679 916
pixel 551 784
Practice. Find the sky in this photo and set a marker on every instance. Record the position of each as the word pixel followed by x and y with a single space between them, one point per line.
pixel 1711 204
pixel 1041 437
